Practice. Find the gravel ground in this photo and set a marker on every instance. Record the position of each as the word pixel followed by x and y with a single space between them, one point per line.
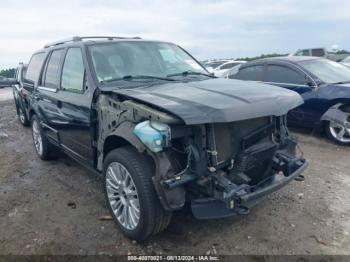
pixel 55 207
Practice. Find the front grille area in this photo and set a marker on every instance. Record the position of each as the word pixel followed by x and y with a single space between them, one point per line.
pixel 233 138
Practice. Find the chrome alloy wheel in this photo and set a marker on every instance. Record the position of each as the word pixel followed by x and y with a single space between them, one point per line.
pixel 122 195
pixel 38 142
pixel 339 132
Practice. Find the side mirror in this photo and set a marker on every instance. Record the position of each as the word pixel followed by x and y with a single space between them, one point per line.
pixel 310 83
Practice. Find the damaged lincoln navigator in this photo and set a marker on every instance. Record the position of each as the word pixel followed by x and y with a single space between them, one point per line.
pixel 160 130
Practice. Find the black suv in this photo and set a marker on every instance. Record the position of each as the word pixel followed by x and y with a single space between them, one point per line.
pixel 160 129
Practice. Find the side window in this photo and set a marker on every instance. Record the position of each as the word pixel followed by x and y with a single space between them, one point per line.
pixel 34 67
pixel 305 52
pixel 73 71
pixel 17 74
pixel 23 72
pixel 252 73
pixel 52 69
pixel 318 52
pixel 281 74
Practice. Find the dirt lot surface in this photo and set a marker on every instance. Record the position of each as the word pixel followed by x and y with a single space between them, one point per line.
pixel 55 207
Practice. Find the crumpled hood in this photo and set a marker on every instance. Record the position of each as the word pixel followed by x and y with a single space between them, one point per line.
pixel 216 100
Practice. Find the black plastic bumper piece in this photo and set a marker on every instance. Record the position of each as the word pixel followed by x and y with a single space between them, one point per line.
pixel 274 186
pixel 210 208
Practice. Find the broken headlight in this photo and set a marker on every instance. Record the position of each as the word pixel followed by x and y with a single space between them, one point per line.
pixel 154 135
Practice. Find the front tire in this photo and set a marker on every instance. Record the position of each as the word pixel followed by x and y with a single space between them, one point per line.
pixel 338 133
pixel 130 194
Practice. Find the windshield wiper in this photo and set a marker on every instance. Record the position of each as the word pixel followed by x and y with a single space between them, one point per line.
pixel 131 77
pixel 189 72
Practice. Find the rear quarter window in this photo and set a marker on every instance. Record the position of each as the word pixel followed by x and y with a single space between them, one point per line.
pixel 34 67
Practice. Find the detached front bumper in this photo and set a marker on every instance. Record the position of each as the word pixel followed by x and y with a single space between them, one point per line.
pixel 242 200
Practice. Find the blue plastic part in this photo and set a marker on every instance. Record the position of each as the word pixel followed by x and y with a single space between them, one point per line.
pixel 154 135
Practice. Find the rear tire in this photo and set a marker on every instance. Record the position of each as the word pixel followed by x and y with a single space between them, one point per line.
pixel 134 197
pixel 43 148
pixel 21 113
pixel 22 117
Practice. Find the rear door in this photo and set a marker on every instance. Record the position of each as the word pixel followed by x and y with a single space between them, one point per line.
pixel 294 79
pixel 64 102
pixel 45 95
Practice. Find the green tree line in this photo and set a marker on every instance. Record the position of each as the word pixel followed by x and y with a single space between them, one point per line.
pixel 261 57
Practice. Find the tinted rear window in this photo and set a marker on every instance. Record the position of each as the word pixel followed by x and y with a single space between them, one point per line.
pixel 34 66
pixel 252 73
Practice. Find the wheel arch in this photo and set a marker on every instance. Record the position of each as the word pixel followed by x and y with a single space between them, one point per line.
pixel 121 136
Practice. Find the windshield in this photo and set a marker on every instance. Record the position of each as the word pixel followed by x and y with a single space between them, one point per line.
pixel 122 60
pixel 328 71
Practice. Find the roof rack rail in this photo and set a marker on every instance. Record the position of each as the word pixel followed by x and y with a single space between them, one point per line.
pixel 80 38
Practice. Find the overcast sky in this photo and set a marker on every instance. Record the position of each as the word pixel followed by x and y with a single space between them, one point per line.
pixel 207 29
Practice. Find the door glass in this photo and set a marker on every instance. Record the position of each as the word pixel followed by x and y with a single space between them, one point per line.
pixel 305 52
pixel 252 73
pixel 34 67
pixel 73 71
pixel 281 74
pixel 51 75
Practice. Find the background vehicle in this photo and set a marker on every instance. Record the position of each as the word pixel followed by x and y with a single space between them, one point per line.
pixel 211 65
pixel 21 95
pixel 6 82
pixel 323 84
pixel 346 61
pixel 160 130
pixel 322 52
pixel 222 70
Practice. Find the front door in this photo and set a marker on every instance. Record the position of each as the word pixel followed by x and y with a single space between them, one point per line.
pixel 74 105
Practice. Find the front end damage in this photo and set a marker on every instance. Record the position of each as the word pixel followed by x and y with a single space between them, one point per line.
pixel 222 169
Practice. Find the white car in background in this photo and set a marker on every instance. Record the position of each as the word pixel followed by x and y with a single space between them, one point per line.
pixel 222 70
pixel 211 65
pixel 346 61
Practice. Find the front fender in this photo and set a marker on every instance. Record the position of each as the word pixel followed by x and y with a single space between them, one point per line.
pixel 124 132
pixel 334 113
